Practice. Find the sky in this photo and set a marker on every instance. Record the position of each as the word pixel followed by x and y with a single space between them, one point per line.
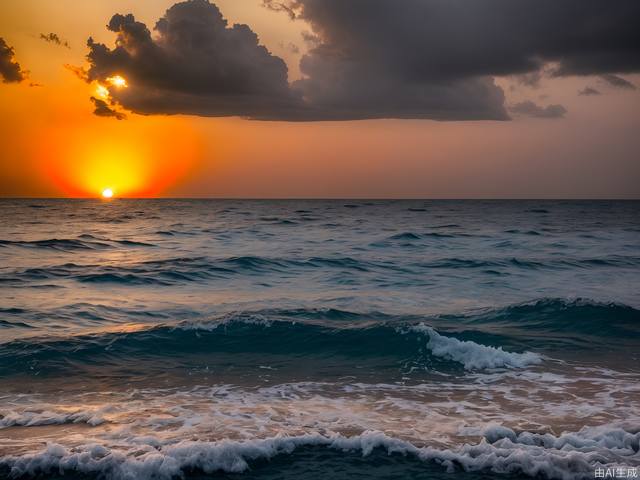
pixel 320 98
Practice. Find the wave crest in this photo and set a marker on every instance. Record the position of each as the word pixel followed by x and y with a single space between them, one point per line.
pixel 473 355
pixel 386 344
pixel 173 461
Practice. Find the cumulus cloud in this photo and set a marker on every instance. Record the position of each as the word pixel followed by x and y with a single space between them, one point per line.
pixel 530 109
pixel 10 69
pixel 433 59
pixel 617 82
pixel 102 109
pixel 458 38
pixel 195 64
pixel 55 39
pixel 588 91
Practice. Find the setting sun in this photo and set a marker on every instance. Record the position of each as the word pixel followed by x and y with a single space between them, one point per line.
pixel 107 193
pixel 127 158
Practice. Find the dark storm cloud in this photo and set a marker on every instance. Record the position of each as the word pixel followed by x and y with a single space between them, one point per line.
pixel 530 109
pixel 195 64
pixel 10 69
pixel 589 91
pixel 55 39
pixel 461 38
pixel 436 58
pixel 102 109
pixel 618 82
pixel 369 59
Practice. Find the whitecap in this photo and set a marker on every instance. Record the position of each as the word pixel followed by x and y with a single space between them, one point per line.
pixel 473 355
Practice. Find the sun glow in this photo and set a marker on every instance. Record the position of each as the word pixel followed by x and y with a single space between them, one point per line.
pixel 117 81
pixel 102 91
pixel 137 158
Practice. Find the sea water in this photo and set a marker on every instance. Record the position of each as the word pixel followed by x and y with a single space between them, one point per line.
pixel 159 339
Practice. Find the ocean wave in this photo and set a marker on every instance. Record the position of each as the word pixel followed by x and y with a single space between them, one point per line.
pixel 162 272
pixel 8 324
pixel 531 263
pixel 418 236
pixel 625 441
pixel 60 244
pixel 245 335
pixel 576 318
pixel 133 243
pixel 176 271
pixel 473 355
pixel 83 242
pixel 159 461
pixel 548 321
pixel 44 417
pixel 405 236
pixel 189 269
pixel 485 339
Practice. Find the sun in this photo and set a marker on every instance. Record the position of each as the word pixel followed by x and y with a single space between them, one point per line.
pixel 107 193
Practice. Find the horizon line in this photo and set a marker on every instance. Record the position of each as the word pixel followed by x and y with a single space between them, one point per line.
pixel 553 199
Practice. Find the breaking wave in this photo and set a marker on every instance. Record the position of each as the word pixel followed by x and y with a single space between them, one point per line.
pixel 250 334
pixel 572 455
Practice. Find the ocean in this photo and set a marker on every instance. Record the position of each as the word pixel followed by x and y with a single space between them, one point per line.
pixel 180 339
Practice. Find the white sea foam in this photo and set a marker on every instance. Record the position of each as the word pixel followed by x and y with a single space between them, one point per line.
pixel 499 421
pixel 624 441
pixel 505 455
pixel 473 355
pixel 44 417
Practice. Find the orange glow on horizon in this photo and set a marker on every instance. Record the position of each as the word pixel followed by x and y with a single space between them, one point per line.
pixel 131 158
pixel 71 152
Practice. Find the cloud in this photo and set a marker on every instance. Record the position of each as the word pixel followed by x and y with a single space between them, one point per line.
pixel 588 91
pixel 530 109
pixel 341 88
pixel 432 59
pixel 461 38
pixel 280 7
pixel 195 64
pixel 10 69
pixel 531 80
pixel 290 47
pixel 617 82
pixel 102 109
pixel 79 72
pixel 437 58
pixel 55 39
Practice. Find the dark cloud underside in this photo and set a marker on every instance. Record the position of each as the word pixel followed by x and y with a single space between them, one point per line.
pixel 530 109
pixel 589 91
pixel 10 69
pixel 617 82
pixel 102 109
pixel 196 64
pixel 369 59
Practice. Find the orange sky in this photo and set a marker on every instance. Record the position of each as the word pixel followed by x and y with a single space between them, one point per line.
pixel 52 144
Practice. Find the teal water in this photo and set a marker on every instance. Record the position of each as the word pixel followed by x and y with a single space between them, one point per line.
pixel 298 339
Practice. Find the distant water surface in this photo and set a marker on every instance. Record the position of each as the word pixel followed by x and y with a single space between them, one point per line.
pixel 160 339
